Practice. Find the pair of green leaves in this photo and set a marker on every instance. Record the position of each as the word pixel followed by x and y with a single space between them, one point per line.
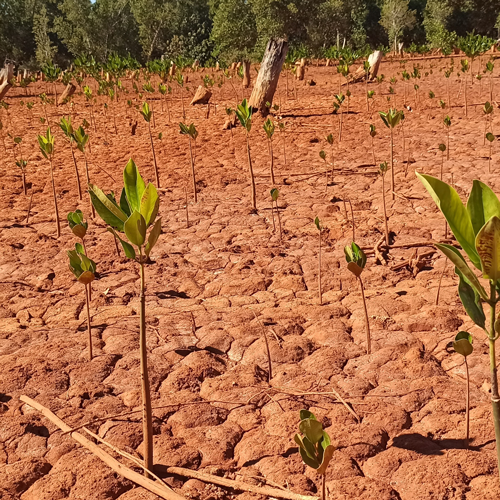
pixel 77 224
pixel 269 128
pixel 463 344
pixel 315 447
pixel 244 114
pixel 275 194
pixel 356 259
pixel 391 118
pixel 189 130
pixel 135 213
pixel 146 112
pixel 373 131
pixel 383 168
pixel 487 108
pixel 80 265
pixel 46 143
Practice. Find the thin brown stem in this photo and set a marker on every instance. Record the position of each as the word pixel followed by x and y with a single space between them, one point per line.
pixel 89 328
pixel 56 210
pixel 367 321
pixel 157 174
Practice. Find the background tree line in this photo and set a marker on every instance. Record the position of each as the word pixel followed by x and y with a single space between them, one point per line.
pixel 37 32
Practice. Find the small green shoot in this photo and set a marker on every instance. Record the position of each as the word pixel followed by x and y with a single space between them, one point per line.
pixel 192 134
pixel 147 113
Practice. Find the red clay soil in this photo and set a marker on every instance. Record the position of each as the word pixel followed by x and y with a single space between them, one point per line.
pixel 208 281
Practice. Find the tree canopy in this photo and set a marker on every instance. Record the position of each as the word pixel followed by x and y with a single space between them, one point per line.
pixel 37 32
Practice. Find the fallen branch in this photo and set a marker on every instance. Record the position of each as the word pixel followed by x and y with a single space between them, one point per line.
pixel 150 485
pixel 378 254
pixel 238 485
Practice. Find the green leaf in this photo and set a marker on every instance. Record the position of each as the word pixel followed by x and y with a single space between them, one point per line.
pixel 135 229
pixel 304 414
pixel 463 344
pixel 325 442
pixel 127 247
pixel 124 204
pixel 108 211
pixel 312 429
pixel 150 203
pixel 311 462
pixel 450 204
pixel 482 205
pixel 134 186
pixel 456 258
pixel 488 248
pixel 470 300
pixel 153 237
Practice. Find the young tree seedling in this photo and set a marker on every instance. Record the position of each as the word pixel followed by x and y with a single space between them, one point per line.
pixel 20 162
pixel 315 446
pixel 490 138
pixel 356 261
pixel 81 139
pixel 244 114
pixel 489 68
pixel 373 133
pixel 192 134
pixel 319 227
pixel 147 113
pixel 463 345
pixel 391 119
pixel 447 124
pixel 329 140
pixel 269 129
pixel 383 170
pixel 84 270
pixel 488 113
pixel 46 143
pixel 78 226
pixel 274 201
pixel 477 230
pixel 131 218
pixel 322 155
pixel 465 68
pixel 442 148
pixel 337 105
pixel 68 131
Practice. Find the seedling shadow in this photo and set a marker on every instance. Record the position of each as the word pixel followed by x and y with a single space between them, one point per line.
pixel 172 294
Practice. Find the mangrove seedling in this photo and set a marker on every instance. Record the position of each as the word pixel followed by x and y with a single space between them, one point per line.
pixel 383 170
pixel 329 140
pixel 78 226
pixel 20 162
pixel 489 68
pixel 130 219
pixel 391 119
pixel 315 446
pixel 82 139
pixel 269 130
pixel 465 68
pixel 477 230
pixel 337 105
pixel 356 262
pixel 463 345
pixel 192 134
pixel 68 131
pixel 447 124
pixel 274 201
pixel 490 138
pixel 442 148
pixel 488 113
pixel 147 113
pixel 84 270
pixel 244 114
pixel 319 227
pixel 373 133
pixel 46 143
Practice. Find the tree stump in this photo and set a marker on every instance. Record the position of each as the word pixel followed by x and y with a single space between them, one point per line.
pixel 269 73
pixel 360 74
pixel 301 70
pixel 217 66
pixel 7 73
pixel 196 65
pixel 202 96
pixel 246 74
pixel 4 88
pixel 68 92
pixel 173 69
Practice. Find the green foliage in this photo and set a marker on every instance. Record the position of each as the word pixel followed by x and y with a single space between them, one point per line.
pixel 77 224
pixel 314 443
pixel 275 194
pixel 356 259
pixel 318 224
pixel 81 138
pixel 146 112
pixel 490 137
pixel 373 131
pixel 133 216
pixel 80 265
pixel 396 17
pixel 46 143
pixel 189 130
pixel 463 344
pixel 391 118
pixel 244 115
pixel 269 128
pixel 442 148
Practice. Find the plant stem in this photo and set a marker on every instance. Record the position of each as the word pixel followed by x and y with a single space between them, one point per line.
pixel 76 172
pixel 353 226
pixel 24 182
pixel 187 207
pixel 147 415
pixel 89 329
pixel 467 417
pixel 392 164
pixel 55 199
pixel 192 171
pixel 252 179
pixel 323 487
pixel 385 212
pixel 367 322
pixel 88 183
pixel 319 271
pixel 273 182
pixel 157 175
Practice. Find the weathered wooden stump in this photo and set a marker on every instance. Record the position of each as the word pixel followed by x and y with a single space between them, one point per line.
pixel 68 92
pixel 202 96
pixel 269 73
pixel 246 74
